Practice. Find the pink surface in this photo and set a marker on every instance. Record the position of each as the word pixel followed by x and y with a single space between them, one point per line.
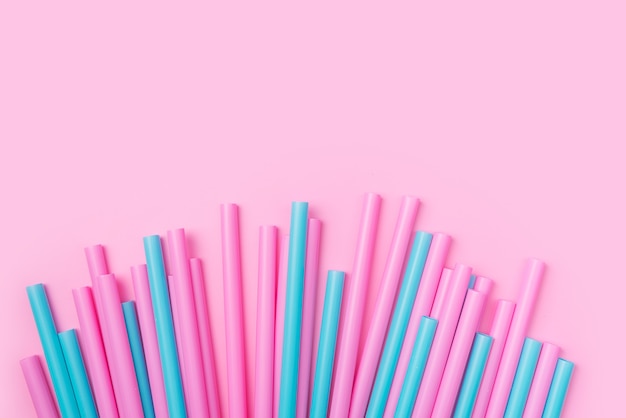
pixel 281 294
pixel 37 383
pixel 505 118
pixel 541 380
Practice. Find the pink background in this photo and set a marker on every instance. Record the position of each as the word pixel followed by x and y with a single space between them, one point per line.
pixel 508 121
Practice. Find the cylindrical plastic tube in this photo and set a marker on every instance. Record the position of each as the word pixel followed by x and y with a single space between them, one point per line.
pixel 483 285
pixel 174 300
pixel 442 293
pixel 473 375
pixel 38 388
pixel 541 380
pixel 279 327
pixel 78 374
pixel 558 389
pixel 523 378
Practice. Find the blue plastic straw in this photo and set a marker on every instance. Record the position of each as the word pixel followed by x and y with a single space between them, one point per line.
pixel 472 281
pixel 399 323
pixel 523 378
pixel 293 310
pixel 52 351
pixel 473 376
pixel 417 364
pixel 164 326
pixel 558 389
pixel 139 359
pixel 327 344
pixel 78 374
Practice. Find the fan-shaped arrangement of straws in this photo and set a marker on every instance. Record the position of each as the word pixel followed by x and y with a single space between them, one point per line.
pixel 422 355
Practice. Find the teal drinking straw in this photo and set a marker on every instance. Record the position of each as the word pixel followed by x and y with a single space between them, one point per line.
pixel 523 378
pixel 293 310
pixel 399 323
pixel 164 326
pixel 417 364
pixel 558 389
pixel 473 375
pixel 78 374
pixel 139 358
pixel 52 351
pixel 327 344
pixel 472 281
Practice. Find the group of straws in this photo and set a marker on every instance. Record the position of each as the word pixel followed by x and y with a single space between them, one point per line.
pixel 422 355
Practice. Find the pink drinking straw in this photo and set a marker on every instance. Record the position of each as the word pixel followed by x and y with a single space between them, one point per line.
pixel 533 275
pixel 448 319
pixel 96 262
pixel 442 293
pixel 311 270
pixel 120 360
pixel 145 316
pixel 384 305
pixel 541 381
pixel 173 288
pixel 265 323
pixel 233 312
pixel 433 268
pixel 483 285
pixel 195 389
pixel 351 320
pixel 459 353
pixel 499 331
pixel 281 292
pixel 206 342
pixel 93 353
pixel 38 388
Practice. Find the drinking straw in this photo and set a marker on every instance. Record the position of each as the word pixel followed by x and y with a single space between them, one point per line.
pixel 483 285
pixel 52 350
pixel 174 299
pixel 473 375
pixel 541 380
pixel 399 323
pixel 532 277
pixel 139 359
pixel 145 315
pixel 122 367
pixel 93 352
pixel 293 310
pixel 499 331
pixel 193 377
pixel 206 342
pixel 38 388
pixel 164 326
pixel 523 378
pixel 279 327
pixel 354 305
pixel 327 343
pixel 415 371
pixel 472 281
pixel 97 265
pixel 233 311
pixel 78 374
pixel 443 340
pixel 382 309
pixel 266 313
pixel 437 255
pixel 442 293
pixel 459 353
pixel 558 389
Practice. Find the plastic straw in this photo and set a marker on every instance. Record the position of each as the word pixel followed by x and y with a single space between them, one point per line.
pixel 437 255
pixel 93 352
pixel 399 323
pixel 164 326
pixel 523 378
pixel 442 293
pixel 174 300
pixel 293 310
pixel 354 305
pixel 145 315
pixel 206 342
pixel 483 285
pixel 194 385
pixel 558 389
pixel 383 307
pixel 279 327
pixel 38 388
pixel 266 313
pixel 541 380
pixel 417 365
pixel 327 343
pixel 78 374
pixel 52 350
pixel 473 375
pixel 139 359
pixel 532 276
pixel 233 312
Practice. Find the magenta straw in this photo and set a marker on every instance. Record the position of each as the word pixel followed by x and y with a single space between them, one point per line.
pixel 38 388
pixel 351 321
pixel 442 293
pixel 541 380
pixel 174 299
pixel 145 316
pixel 433 268
pixel 384 305
pixel 281 292
pixel 483 285
pixel 533 275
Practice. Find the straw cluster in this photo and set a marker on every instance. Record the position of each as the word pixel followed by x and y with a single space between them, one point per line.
pixel 422 355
